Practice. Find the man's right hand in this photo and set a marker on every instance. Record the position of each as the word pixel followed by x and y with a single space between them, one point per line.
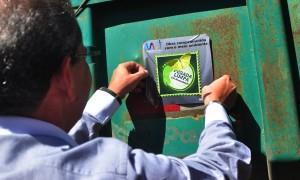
pixel 219 90
pixel 126 77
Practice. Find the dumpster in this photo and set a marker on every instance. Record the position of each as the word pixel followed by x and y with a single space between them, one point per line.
pixel 257 42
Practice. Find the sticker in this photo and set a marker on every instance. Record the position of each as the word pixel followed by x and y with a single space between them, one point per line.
pixel 178 74
pixel 178 69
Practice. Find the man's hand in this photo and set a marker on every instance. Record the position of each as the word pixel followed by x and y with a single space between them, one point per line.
pixel 219 90
pixel 126 77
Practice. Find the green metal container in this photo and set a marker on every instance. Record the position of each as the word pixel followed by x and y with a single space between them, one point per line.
pixel 257 42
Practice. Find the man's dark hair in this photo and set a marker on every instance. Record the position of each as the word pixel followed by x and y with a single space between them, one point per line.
pixel 35 36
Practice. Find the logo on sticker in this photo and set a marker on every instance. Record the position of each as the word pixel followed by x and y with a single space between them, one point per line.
pixel 178 73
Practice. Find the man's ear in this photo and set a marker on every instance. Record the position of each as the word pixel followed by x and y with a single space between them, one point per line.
pixel 62 81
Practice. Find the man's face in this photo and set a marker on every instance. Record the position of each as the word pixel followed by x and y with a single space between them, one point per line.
pixel 82 83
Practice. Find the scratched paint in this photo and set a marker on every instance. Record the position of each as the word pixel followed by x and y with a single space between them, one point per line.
pixel 224 33
pixel 294 9
pixel 251 50
pixel 247 42
pixel 223 30
pixel 231 55
pixel 277 92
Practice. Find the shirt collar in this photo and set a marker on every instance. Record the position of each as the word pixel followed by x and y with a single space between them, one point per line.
pixel 24 125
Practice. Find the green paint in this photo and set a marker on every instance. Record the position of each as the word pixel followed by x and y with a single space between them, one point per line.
pixel 294 9
pixel 278 101
pixel 125 42
pixel 248 42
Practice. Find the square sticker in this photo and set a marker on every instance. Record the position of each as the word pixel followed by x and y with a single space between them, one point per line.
pixel 178 74
pixel 178 69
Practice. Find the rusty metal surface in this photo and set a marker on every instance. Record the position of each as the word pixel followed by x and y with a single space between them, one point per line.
pixel 294 9
pixel 229 30
pixel 279 108
pixel 249 42
pixel 225 32
pixel 195 114
pixel 223 28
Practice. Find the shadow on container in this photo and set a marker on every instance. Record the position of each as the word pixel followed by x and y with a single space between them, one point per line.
pixel 149 123
pixel 248 131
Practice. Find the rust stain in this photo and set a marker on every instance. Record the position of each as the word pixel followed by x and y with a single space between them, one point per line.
pixel 277 1
pixel 159 32
pixel 271 78
pixel 296 35
pixel 224 34
pixel 295 6
pixel 126 117
pixel 276 109
pixel 274 77
pixel 223 30
pixel 195 114
pixel 279 146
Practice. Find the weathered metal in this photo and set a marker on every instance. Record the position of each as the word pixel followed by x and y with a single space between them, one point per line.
pixel 279 105
pixel 229 30
pixel 257 42
pixel 294 9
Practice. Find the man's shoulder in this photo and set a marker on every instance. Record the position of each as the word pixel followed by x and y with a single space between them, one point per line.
pixel 104 157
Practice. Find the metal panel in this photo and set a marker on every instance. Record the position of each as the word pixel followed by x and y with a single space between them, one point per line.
pixel 279 106
pixel 256 41
pixel 294 9
pixel 229 30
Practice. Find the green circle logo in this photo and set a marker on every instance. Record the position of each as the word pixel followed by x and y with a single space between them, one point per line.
pixel 178 74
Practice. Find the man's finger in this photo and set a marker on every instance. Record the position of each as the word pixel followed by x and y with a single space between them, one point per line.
pixel 141 71
pixel 141 74
pixel 130 66
pixel 133 67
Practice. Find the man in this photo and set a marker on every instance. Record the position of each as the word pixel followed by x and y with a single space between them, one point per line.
pixel 44 86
